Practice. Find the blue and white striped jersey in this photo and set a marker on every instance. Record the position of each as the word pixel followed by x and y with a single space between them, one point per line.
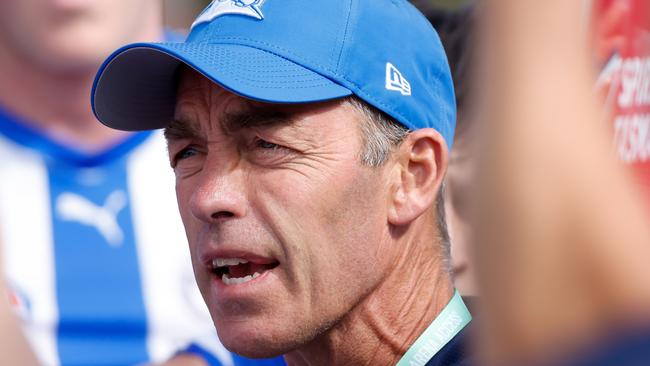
pixel 95 254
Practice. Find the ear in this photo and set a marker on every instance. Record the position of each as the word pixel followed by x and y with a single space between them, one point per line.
pixel 421 163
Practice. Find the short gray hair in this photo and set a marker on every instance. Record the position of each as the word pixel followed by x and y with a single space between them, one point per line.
pixel 380 136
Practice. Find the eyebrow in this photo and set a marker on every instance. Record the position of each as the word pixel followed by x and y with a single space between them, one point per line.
pixel 179 129
pixel 254 116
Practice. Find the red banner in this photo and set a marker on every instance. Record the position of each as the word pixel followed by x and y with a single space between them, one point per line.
pixel 621 30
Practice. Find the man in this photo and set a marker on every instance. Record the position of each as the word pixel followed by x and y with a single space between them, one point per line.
pixel 95 274
pixel 309 142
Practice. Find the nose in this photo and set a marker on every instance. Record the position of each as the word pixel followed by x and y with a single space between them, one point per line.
pixel 220 192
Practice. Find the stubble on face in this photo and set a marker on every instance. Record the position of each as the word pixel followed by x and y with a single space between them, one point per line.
pixel 310 204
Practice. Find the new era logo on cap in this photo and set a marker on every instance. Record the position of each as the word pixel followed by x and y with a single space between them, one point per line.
pixel 395 81
pixel 252 8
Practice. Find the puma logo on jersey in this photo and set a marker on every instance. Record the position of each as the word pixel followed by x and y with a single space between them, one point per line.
pixel 251 8
pixel 73 207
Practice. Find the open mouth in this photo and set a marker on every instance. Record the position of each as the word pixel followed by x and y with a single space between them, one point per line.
pixel 235 271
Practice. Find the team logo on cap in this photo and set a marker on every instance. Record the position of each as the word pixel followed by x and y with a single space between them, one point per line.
pixel 395 81
pixel 252 8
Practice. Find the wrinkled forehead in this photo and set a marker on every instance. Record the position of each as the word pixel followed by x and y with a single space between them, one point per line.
pixel 196 92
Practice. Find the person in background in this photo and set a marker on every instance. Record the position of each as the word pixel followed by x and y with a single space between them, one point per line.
pixel 563 227
pixel 309 141
pixel 94 256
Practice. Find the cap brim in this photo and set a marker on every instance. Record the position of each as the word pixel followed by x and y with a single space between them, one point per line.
pixel 135 87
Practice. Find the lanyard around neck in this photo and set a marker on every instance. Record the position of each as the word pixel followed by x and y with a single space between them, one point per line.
pixel 451 320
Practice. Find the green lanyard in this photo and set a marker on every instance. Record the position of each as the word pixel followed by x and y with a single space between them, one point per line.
pixel 451 320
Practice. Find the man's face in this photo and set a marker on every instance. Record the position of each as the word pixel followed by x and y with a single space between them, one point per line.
pixel 72 33
pixel 282 189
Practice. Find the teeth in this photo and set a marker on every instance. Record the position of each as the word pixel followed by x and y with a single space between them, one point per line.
pixel 238 280
pixel 223 262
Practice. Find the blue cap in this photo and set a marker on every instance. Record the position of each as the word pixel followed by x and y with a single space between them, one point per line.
pixel 290 51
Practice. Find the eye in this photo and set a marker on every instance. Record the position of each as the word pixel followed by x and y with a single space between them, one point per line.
pixel 183 154
pixel 263 144
pixel 264 152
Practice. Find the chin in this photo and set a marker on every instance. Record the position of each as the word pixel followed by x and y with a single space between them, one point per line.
pixel 67 57
pixel 256 345
pixel 258 341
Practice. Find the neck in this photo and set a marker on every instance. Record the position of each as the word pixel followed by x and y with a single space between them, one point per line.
pixel 381 328
pixel 55 101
